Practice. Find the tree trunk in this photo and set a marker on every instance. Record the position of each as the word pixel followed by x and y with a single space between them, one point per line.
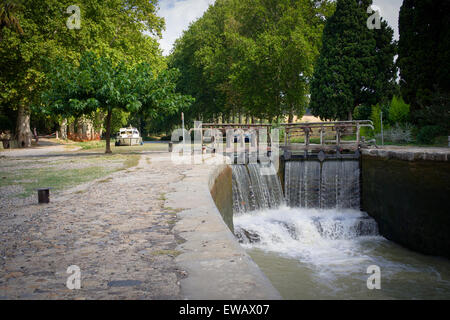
pixel 108 132
pixel 23 131
pixel 350 116
pixel 63 129
pixel 291 117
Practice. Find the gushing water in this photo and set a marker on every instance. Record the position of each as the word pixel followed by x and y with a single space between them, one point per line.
pixel 325 253
pixel 253 190
pixel 324 238
pixel 331 184
pixel 320 245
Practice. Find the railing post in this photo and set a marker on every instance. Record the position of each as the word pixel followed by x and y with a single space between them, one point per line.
pixel 357 133
pixel 321 135
pixel 338 136
pixel 307 132
pixel 285 136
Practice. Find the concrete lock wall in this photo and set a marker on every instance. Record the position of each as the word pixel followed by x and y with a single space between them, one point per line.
pixel 409 199
pixel 216 264
pixel 222 193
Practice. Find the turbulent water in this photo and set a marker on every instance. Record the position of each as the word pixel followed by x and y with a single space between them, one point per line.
pixel 318 244
pixel 325 253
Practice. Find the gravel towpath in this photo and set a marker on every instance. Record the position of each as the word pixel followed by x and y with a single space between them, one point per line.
pixel 117 231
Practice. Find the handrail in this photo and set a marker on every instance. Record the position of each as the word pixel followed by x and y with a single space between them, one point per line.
pixel 300 129
pixel 327 123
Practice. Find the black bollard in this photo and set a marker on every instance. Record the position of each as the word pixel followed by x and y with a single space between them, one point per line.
pixel 170 146
pixel 44 195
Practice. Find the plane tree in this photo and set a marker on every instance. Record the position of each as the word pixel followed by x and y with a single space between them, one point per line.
pixel 99 84
pixel 33 31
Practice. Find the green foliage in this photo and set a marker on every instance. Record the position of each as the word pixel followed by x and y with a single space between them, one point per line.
pixel 362 112
pixel 355 66
pixel 96 83
pixel 375 116
pixel 111 28
pixel 250 58
pixel 119 120
pixel 99 84
pixel 423 55
pixel 427 134
pixel 8 18
pixel 367 132
pixel 398 111
pixel 436 111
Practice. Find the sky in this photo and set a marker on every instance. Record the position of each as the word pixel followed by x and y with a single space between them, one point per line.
pixel 180 13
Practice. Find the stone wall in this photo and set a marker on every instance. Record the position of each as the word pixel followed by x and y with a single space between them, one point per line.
pixel 409 199
pixel 82 129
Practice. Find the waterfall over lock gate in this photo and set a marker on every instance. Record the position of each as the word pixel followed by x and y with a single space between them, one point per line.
pixel 323 200
pixel 316 236
pixel 255 189
pixel 307 184
pixel 329 184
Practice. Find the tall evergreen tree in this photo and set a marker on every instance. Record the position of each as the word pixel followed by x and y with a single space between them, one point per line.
pixel 355 66
pixel 424 51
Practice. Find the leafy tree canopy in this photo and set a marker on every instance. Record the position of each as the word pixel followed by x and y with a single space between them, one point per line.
pixel 119 29
pixel 98 83
pixel 251 57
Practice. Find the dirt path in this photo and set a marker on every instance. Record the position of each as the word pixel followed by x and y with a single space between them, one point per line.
pixel 117 231
pixel 45 147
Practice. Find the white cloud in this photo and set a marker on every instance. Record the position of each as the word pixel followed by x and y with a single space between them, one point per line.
pixel 178 15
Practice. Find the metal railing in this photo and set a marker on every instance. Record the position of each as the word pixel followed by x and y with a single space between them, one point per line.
pixel 337 129
pixel 319 130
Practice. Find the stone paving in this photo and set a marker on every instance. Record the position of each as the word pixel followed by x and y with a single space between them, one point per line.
pixel 118 231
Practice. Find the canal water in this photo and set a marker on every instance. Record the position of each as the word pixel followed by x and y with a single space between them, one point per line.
pixel 316 244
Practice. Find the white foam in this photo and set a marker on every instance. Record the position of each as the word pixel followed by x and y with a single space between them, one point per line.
pixel 328 240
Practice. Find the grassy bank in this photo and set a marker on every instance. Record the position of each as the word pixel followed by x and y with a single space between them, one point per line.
pixel 100 146
pixel 20 178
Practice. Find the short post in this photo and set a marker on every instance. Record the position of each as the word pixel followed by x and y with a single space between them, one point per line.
pixel 338 136
pixel 358 134
pixel 44 195
pixel 170 146
pixel 321 135
pixel 182 128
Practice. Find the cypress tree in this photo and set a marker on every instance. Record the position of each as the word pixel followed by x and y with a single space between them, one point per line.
pixel 355 66
pixel 424 52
